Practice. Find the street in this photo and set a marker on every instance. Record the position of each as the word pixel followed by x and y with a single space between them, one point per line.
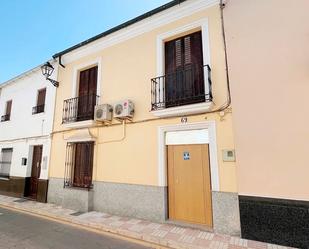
pixel 19 230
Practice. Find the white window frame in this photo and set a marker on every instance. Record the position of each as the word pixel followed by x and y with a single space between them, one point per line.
pixel 76 72
pixel 213 157
pixel 75 87
pixel 201 24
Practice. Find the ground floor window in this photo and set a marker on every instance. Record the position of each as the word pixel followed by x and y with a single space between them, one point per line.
pixel 5 163
pixel 79 164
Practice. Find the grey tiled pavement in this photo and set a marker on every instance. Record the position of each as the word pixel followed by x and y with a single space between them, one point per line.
pixel 166 235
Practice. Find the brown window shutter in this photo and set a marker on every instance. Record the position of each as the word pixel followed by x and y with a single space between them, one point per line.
pixel 179 53
pixel 93 75
pixel 182 51
pixel 41 97
pixel 196 48
pixel 83 83
pixel 83 164
pixel 88 81
pixel 187 50
pixel 8 107
pixel 170 55
pixel 184 75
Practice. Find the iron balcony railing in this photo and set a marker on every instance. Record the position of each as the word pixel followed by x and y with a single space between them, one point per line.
pixel 5 117
pixel 38 109
pixel 182 87
pixel 79 108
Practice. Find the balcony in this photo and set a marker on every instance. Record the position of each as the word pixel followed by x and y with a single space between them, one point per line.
pixel 79 109
pixel 38 109
pixel 185 91
pixel 5 117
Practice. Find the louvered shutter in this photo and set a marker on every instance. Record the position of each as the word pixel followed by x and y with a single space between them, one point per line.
pixel 184 78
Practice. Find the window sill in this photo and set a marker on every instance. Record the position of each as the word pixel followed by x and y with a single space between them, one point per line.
pixel 80 124
pixel 183 110
pixel 38 113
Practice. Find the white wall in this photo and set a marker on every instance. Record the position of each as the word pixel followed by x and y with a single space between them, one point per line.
pixel 24 92
pixel 24 148
pixel 24 130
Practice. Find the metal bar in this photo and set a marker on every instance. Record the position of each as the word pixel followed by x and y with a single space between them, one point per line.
pixel 79 108
pixel 181 87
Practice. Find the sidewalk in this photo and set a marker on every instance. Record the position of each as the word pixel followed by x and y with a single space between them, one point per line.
pixel 164 235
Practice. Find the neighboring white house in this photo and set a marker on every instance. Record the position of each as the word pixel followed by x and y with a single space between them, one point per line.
pixel 27 110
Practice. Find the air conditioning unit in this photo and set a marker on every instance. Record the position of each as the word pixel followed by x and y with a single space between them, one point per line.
pixel 103 113
pixel 124 109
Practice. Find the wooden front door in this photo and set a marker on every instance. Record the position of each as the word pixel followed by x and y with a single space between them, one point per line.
pixel 189 184
pixel 35 171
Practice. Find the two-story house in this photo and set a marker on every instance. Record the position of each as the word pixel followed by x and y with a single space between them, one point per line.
pixel 27 110
pixel 168 153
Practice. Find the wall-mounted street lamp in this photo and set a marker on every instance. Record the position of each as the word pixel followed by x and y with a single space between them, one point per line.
pixel 47 70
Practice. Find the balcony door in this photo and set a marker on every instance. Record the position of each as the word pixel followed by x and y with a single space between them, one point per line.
pixel 87 93
pixel 184 82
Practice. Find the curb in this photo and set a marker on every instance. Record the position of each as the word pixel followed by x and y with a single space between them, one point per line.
pixel 132 236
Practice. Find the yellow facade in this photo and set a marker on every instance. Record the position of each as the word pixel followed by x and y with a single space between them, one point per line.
pixel 126 71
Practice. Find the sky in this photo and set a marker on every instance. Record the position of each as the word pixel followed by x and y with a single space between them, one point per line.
pixel 32 31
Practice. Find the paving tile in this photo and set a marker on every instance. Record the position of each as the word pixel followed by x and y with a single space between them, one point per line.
pixel 116 223
pixel 205 235
pixel 218 245
pixel 235 247
pixel 159 233
pixel 137 228
pixel 202 242
pixel 133 221
pixel 238 242
pixel 256 244
pixel 172 236
pixel 187 238
pixel 178 230
pixel 154 225
pixel 222 238
pixel 162 234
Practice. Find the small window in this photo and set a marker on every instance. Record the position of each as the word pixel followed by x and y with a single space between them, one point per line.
pixel 5 163
pixel 79 164
pixel 7 114
pixel 40 105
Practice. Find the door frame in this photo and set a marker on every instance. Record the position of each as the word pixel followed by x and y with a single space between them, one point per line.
pixel 31 167
pixel 77 69
pixel 213 157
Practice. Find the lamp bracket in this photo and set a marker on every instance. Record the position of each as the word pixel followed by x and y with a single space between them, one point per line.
pixel 54 82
